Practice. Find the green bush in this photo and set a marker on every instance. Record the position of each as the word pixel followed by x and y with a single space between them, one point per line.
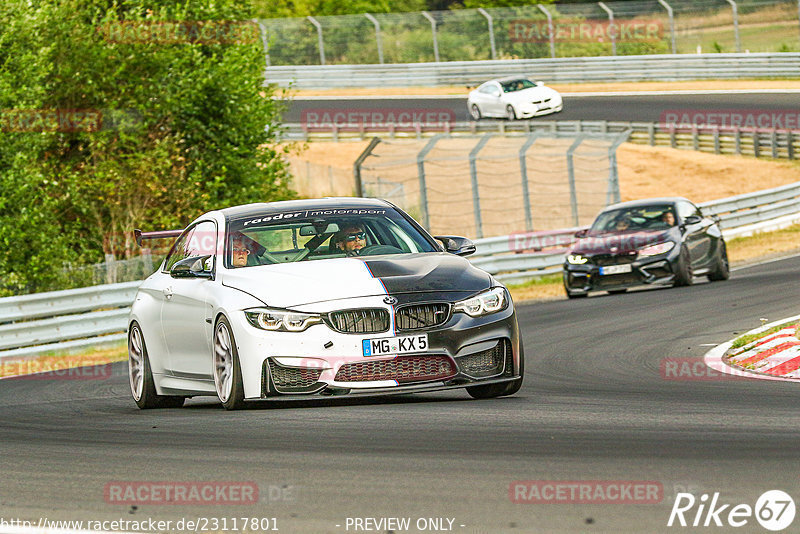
pixel 198 131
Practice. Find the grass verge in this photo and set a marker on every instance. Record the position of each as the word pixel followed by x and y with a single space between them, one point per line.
pixel 741 341
pixel 52 363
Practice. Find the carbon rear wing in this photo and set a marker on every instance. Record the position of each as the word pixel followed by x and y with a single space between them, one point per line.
pixel 160 234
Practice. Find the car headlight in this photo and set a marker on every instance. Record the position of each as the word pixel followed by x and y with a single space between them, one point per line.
pixel 488 302
pixel 281 320
pixel 655 250
pixel 576 259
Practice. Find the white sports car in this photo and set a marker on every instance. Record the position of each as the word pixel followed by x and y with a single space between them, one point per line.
pixel 311 298
pixel 513 98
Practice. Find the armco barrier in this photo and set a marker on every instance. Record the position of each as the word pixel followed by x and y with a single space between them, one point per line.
pixel 32 325
pixel 758 142
pixel 78 318
pixel 560 70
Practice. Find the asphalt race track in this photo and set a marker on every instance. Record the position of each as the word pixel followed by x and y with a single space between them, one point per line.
pixel 594 406
pixel 613 108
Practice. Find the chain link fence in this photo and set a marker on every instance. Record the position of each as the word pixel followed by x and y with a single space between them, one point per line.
pixel 536 31
pixel 491 185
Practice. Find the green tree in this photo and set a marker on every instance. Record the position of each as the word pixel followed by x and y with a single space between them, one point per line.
pixel 185 126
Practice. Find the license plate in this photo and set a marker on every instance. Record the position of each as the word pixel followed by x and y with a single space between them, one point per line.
pixel 395 345
pixel 615 269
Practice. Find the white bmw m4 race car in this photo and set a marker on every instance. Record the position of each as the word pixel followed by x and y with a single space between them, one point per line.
pixel 313 298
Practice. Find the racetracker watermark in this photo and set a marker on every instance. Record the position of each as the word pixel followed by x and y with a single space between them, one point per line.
pixel 68 120
pixel 586 492
pixel 695 369
pixel 63 368
pixel 587 31
pixel 377 119
pixel 225 32
pixel 770 119
pixel 171 493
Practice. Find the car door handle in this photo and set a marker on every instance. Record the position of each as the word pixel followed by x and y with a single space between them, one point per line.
pixel 168 292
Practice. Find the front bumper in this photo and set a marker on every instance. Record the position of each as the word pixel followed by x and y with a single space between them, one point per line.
pixel 464 351
pixel 581 279
pixel 530 111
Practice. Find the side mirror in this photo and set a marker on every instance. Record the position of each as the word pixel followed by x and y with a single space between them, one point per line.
pixel 582 233
pixel 692 219
pixel 194 267
pixel 460 246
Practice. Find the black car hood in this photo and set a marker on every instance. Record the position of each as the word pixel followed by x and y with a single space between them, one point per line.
pixel 418 273
pixel 622 242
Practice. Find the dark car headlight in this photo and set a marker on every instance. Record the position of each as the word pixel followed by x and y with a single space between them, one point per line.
pixel 281 320
pixel 655 250
pixel 486 303
pixel 576 259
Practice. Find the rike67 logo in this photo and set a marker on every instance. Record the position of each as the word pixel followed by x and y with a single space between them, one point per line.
pixel 774 510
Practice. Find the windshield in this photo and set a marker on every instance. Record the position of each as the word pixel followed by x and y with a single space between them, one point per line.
pixel 306 235
pixel 641 218
pixel 517 85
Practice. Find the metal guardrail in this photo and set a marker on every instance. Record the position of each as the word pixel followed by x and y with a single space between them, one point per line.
pixel 78 318
pixel 759 142
pixel 41 323
pixel 670 67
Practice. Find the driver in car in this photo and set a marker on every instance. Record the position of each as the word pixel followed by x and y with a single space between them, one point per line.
pixel 351 239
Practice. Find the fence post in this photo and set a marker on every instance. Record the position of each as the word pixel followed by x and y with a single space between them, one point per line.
pixel 550 30
pixel 473 172
pixel 378 40
pixel 264 41
pixel 613 172
pixel 789 144
pixel 651 133
pixel 423 191
pixel 756 142
pixel 573 194
pixel 773 140
pixel 695 138
pixel 736 24
pixel 490 23
pixel 433 30
pixel 672 24
pixel 111 269
pixel 737 138
pixel 611 29
pixel 523 170
pixel 318 26
pixel 716 140
pixel 359 161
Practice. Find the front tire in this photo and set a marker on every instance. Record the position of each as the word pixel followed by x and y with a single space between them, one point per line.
pixel 227 370
pixel 722 269
pixel 475 111
pixel 140 375
pixel 500 390
pixel 683 274
pixel 510 113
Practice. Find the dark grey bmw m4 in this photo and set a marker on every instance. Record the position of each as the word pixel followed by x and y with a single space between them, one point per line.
pixel 652 241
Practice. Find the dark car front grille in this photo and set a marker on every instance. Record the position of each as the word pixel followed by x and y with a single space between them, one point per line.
pixel 293 379
pixel 488 362
pixel 617 280
pixel 362 321
pixel 414 316
pixel 402 369
pixel 604 260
